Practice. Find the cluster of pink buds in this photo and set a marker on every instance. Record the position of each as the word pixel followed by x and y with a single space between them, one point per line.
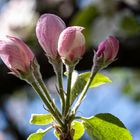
pixel 61 45
pixel 57 41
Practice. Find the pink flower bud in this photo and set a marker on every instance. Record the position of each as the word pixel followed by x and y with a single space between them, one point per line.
pixel 71 44
pixel 48 30
pixel 108 49
pixel 16 55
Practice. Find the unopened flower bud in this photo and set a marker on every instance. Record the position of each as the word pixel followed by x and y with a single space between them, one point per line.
pixel 107 51
pixel 48 29
pixel 71 44
pixel 16 55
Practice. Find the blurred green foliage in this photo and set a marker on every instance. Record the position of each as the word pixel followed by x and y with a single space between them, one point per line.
pixel 102 18
pixel 85 18
pixel 129 80
pixel 130 25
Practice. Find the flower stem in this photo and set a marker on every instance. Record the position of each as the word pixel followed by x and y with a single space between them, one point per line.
pixel 94 71
pixel 61 92
pixel 44 89
pixel 37 77
pixel 58 68
pixel 52 111
pixel 68 97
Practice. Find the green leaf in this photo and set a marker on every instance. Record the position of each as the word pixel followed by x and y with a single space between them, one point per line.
pixel 41 119
pixel 106 127
pixel 82 79
pixel 57 135
pixel 78 129
pixel 98 80
pixel 39 134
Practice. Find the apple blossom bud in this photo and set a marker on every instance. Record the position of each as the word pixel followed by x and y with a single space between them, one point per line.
pixel 71 44
pixel 107 50
pixel 16 55
pixel 48 29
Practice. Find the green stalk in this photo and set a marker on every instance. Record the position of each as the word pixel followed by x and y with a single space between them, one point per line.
pixel 44 89
pixel 58 68
pixel 94 71
pixel 39 81
pixel 61 92
pixel 52 111
pixel 68 96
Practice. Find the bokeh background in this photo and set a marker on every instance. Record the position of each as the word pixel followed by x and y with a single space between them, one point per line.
pixel 100 19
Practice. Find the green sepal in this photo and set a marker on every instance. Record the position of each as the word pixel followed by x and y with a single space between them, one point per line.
pixel 41 119
pixel 106 127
